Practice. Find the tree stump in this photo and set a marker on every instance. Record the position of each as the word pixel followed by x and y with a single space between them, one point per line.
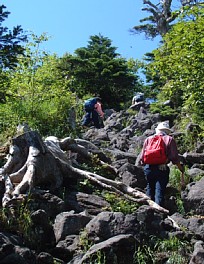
pixel 33 162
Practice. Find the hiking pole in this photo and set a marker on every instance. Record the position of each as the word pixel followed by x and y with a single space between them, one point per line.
pixel 182 179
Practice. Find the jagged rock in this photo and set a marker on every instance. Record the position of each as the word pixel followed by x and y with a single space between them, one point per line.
pixel 195 172
pixel 69 223
pixel 80 202
pixel 43 230
pixel 120 142
pixel 48 202
pixel 11 251
pixel 109 224
pixel 113 234
pixel 118 249
pixel 198 253
pixel 118 155
pixel 96 135
pixel 193 225
pixel 193 198
pixel 132 175
pixel 199 147
pixel 145 124
pixel 44 257
pixel 65 249
pixel 150 221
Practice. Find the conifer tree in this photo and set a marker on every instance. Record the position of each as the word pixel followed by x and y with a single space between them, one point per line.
pixel 10 42
pixel 98 69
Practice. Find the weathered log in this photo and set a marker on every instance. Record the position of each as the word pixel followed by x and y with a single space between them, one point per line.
pixel 119 188
pixel 30 163
pixel 194 157
pixel 33 162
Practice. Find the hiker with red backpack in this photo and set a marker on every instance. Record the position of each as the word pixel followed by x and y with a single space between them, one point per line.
pixel 158 150
pixel 94 113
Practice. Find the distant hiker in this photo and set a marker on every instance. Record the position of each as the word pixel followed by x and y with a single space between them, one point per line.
pixel 137 99
pixel 158 150
pixel 94 113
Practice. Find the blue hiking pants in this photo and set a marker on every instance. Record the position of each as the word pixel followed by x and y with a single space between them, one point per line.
pixel 91 117
pixel 157 181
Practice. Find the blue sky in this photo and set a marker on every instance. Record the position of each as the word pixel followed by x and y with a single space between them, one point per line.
pixel 70 23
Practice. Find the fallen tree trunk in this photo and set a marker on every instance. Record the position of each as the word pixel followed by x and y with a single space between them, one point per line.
pixel 194 157
pixel 33 162
pixel 120 188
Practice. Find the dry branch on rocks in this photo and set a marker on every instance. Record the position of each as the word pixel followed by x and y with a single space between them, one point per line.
pixel 33 162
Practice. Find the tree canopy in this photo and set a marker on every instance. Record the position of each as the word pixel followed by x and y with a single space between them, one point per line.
pixel 99 70
pixel 37 94
pixel 163 16
pixel 43 88
pixel 179 62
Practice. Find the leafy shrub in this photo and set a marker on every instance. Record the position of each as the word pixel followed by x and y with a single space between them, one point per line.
pixel 120 204
pixel 177 249
pixel 143 255
pixel 164 110
pixel 17 219
pixel 175 178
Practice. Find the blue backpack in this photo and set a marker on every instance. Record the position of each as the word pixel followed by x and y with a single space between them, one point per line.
pixel 89 104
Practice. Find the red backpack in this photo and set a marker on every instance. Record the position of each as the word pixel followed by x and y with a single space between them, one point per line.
pixel 155 151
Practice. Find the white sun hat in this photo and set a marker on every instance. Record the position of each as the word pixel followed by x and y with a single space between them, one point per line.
pixel 164 127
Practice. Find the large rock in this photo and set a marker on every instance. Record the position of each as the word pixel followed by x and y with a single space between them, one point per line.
pixel 193 198
pixel 198 253
pixel 69 223
pixel 80 202
pixel 132 176
pixel 118 249
pixel 108 224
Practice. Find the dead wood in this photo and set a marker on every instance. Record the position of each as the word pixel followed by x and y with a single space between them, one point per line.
pixel 33 162
pixel 194 157
pixel 120 188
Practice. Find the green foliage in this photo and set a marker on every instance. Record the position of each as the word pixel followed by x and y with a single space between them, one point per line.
pixel 175 177
pixel 186 142
pixel 37 94
pixel 173 249
pixel 143 255
pixel 98 70
pixel 86 186
pixel 165 111
pixel 10 42
pixel 132 112
pixel 198 177
pixel 4 84
pixel 17 220
pixel 179 62
pixel 99 257
pixel 177 258
pixel 180 205
pixel 120 204
pixel 95 166
pixel 153 82
pixel 176 248
pixel 84 242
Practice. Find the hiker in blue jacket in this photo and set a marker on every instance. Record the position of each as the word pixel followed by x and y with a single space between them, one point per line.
pixel 94 113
